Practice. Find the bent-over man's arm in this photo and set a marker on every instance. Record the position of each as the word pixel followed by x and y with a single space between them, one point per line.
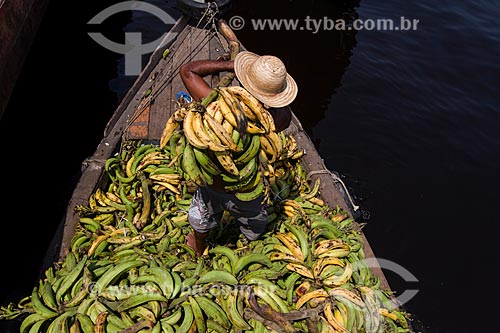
pixel 192 74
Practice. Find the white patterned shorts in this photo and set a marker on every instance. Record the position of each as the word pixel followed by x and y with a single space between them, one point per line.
pixel 208 206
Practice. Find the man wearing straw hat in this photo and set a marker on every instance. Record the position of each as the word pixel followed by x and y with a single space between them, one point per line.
pixel 266 78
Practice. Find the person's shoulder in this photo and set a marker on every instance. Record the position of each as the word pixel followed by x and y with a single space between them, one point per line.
pixel 282 117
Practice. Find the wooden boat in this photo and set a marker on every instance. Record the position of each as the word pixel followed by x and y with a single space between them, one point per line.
pixel 133 119
pixel 145 109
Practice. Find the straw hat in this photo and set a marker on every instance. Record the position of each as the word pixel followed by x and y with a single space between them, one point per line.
pixel 266 78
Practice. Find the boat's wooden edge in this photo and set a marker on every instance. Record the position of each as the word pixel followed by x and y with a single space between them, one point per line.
pixel 329 188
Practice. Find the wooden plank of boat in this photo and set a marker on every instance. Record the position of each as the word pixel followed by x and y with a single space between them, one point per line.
pixel 139 117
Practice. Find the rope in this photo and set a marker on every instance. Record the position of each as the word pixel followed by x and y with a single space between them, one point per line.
pixel 336 179
pixel 166 79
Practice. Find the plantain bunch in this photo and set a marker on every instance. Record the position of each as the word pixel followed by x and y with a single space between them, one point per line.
pixel 233 137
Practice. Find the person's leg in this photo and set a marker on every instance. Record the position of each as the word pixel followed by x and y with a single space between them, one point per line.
pixel 204 213
pixel 251 216
pixel 200 217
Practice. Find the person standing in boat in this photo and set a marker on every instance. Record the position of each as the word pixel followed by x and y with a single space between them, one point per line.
pixel 266 78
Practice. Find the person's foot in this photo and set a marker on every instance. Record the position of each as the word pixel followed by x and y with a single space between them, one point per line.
pixel 191 241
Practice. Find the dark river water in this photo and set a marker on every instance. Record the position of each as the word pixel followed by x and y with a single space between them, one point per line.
pixel 409 119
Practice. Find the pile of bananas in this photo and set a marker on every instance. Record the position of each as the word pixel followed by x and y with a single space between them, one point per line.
pixel 233 137
pixel 129 269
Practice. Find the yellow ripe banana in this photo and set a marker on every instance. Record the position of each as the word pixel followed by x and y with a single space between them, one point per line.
pixel 253 103
pixel 268 148
pixel 228 127
pixel 298 154
pixel 313 191
pixel 203 135
pixel 332 320
pixel 338 316
pixel 300 269
pixel 226 112
pixel 224 136
pixel 291 245
pixel 189 131
pixel 317 201
pixel 338 280
pixel 166 177
pixel 213 107
pixel 301 237
pixel 248 112
pixel 387 314
pixel 100 322
pixel 309 296
pixel 339 252
pixel 234 105
pixel 327 245
pixel 293 203
pixel 224 157
pixel 343 293
pixel 168 130
pixel 321 263
pixel 100 239
pixel 276 142
pixel 303 288
pixel 170 186
pixel 226 161
pixel 282 256
pixel 113 197
pixel 290 211
pixel 218 116
pixel 253 128
pixel 290 143
pixel 270 120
